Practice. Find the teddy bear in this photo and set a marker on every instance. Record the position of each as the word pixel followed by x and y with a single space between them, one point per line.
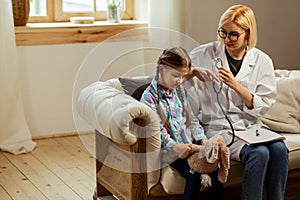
pixel 212 154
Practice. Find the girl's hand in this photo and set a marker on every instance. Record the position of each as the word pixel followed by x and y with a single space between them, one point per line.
pixel 183 150
pixel 202 74
pixel 196 147
pixel 186 150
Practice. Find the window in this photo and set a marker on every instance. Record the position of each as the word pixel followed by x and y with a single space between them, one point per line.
pixel 65 33
pixel 62 10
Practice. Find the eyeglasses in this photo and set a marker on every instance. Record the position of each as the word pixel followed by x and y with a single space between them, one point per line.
pixel 233 36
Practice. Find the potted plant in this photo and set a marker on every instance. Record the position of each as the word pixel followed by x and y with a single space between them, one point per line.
pixel 114 11
pixel 21 10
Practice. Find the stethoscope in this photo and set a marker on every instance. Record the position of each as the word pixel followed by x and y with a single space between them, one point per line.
pixel 217 86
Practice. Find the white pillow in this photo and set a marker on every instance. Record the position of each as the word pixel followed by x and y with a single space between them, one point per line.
pixel 284 114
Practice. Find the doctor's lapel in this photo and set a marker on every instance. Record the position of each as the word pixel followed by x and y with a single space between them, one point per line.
pixel 246 67
pixel 219 52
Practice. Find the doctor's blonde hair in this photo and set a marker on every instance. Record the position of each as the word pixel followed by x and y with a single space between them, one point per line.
pixel 244 17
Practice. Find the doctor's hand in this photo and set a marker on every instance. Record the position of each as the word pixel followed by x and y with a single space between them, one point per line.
pixel 202 74
pixel 227 77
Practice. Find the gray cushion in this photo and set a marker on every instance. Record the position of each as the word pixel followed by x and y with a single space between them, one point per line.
pixel 135 86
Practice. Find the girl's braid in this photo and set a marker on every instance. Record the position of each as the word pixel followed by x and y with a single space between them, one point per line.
pixel 159 108
pixel 187 112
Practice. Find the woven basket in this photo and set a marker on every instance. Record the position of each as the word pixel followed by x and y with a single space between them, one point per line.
pixel 21 10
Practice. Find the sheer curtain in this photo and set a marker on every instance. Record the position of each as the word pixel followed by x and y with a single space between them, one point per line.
pixel 14 133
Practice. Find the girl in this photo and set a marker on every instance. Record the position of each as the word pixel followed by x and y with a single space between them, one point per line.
pixel 180 129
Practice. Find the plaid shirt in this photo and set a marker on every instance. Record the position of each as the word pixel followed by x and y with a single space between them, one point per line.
pixel 173 109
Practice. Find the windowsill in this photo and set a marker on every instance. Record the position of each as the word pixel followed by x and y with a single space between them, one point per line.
pixel 67 33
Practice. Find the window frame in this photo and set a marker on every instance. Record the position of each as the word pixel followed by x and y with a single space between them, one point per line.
pixel 55 14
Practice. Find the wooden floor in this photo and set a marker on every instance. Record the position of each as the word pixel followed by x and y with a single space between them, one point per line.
pixel 63 169
pixel 59 169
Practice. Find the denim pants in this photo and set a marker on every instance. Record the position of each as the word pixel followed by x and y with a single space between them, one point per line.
pixel 264 164
pixel 193 182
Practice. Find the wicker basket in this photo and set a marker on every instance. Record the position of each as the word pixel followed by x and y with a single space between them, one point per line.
pixel 21 10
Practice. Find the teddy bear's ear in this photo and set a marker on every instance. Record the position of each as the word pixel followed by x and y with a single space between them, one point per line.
pixel 224 163
pixel 216 153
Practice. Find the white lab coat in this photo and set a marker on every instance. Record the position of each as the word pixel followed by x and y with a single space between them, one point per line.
pixel 256 74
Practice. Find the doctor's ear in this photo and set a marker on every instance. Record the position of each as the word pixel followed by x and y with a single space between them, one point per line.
pixel 247 35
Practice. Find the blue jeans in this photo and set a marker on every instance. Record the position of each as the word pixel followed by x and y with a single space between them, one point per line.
pixel 193 182
pixel 266 163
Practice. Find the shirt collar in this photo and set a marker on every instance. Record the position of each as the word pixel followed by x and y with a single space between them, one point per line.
pixel 162 91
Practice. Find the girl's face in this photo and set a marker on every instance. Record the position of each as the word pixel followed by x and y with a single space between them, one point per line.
pixel 171 78
pixel 235 40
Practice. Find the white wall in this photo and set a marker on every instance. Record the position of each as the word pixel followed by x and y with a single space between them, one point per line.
pixel 49 72
pixel 50 75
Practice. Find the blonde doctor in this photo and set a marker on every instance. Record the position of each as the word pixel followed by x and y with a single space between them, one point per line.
pixel 245 90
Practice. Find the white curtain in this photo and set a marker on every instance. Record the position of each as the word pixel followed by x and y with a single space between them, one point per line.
pixel 15 136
